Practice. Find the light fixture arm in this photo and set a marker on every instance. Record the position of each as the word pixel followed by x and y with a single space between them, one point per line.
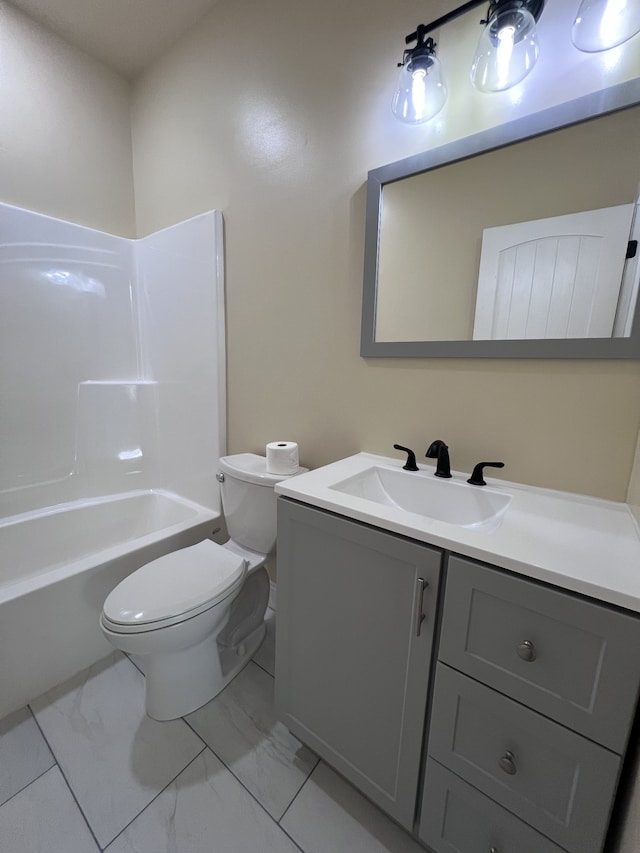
pixel 426 47
pixel 450 16
pixel 533 6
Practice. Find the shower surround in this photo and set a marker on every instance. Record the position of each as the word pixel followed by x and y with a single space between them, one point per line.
pixel 112 420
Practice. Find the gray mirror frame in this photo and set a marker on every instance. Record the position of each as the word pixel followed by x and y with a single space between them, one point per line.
pixel 609 100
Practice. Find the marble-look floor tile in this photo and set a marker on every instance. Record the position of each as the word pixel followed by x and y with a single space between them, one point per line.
pixel 205 810
pixel 115 758
pixel 329 815
pixel 24 754
pixel 241 727
pixel 43 818
pixel 266 654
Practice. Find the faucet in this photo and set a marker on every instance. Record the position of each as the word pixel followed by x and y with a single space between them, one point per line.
pixel 439 450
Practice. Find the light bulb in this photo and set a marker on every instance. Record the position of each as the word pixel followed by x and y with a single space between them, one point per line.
pixel 420 92
pixel 507 51
pixel 603 24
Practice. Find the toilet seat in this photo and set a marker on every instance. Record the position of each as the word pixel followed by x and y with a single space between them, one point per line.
pixel 173 588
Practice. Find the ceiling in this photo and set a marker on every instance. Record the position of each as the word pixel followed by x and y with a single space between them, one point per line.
pixel 125 34
pixel 128 35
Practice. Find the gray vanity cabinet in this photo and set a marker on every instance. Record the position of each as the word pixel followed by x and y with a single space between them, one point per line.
pixel 529 705
pixel 356 621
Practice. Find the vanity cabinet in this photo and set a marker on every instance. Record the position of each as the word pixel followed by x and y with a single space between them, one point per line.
pixel 356 622
pixel 511 740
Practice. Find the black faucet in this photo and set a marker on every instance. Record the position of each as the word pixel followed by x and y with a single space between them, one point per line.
pixel 410 464
pixel 439 450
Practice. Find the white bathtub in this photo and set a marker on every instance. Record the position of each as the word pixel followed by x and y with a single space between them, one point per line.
pixel 58 565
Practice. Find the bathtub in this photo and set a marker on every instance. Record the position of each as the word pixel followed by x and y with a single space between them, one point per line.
pixel 57 566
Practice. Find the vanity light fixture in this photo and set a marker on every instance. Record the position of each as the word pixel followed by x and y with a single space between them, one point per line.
pixel 603 24
pixel 507 51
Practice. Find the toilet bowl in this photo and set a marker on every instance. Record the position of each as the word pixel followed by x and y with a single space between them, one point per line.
pixel 197 614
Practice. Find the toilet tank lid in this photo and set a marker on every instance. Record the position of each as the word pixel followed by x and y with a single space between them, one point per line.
pixel 253 469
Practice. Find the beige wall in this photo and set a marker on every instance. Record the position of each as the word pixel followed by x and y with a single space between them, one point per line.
pixel 65 138
pixel 274 113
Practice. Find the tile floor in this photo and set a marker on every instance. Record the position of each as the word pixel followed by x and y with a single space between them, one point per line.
pixel 83 769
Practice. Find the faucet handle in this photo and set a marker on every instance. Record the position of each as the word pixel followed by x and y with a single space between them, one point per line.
pixel 477 479
pixel 410 464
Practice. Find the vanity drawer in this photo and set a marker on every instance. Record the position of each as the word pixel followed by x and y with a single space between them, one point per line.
pixel 555 780
pixel 566 657
pixel 457 818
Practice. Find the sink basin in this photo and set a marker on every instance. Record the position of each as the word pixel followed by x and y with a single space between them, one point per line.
pixel 451 501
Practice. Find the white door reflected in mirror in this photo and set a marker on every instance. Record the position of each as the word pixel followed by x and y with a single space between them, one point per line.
pixel 559 277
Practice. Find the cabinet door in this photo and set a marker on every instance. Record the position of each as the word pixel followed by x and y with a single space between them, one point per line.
pixel 354 642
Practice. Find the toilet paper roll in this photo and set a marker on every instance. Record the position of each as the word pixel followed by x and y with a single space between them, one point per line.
pixel 282 457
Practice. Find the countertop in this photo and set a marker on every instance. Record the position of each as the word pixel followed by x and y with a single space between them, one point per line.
pixel 579 543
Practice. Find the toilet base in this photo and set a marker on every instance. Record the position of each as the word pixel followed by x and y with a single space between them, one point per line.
pixel 172 691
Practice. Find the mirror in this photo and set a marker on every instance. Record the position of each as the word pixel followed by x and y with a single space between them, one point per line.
pixel 492 246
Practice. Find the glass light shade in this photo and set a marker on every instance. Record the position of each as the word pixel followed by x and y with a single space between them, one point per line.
pixel 602 24
pixel 420 93
pixel 507 51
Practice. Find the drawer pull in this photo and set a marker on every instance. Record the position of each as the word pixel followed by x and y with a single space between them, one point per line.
pixel 420 617
pixel 508 764
pixel 494 850
pixel 527 651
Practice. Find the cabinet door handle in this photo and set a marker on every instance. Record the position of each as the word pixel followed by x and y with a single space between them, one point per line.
pixel 420 617
pixel 493 850
pixel 508 764
pixel 527 651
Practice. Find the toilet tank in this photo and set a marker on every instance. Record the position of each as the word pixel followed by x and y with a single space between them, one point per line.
pixel 249 501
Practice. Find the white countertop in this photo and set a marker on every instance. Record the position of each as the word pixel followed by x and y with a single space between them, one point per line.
pixel 582 544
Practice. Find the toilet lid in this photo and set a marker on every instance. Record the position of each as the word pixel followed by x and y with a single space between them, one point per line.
pixel 175 584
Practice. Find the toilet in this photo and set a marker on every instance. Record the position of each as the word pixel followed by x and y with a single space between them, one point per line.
pixel 197 614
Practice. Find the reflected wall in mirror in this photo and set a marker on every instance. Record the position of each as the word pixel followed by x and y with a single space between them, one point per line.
pixel 502 244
